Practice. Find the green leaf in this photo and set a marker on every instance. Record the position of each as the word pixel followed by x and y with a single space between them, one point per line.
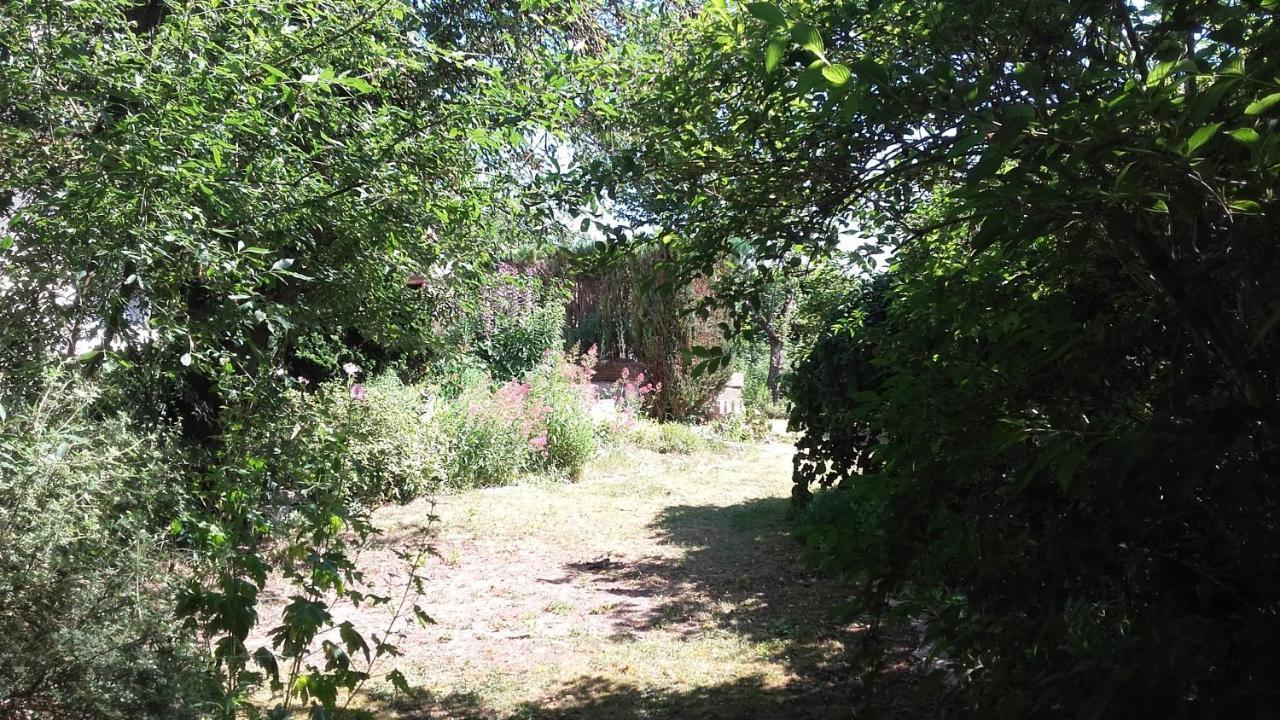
pixel 275 72
pixel 837 74
pixel 767 12
pixel 422 616
pixel 357 83
pixel 1248 136
pixel 809 78
pixel 773 53
pixel 1202 136
pixel 1169 67
pixel 1067 468
pixel 807 37
pixel 1257 107
pixel 1029 75
pixel 353 640
pixel 867 68
pixel 1245 206
pixel 1016 118
pixel 399 682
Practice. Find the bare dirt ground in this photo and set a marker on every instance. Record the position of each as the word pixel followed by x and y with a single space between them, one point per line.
pixel 660 586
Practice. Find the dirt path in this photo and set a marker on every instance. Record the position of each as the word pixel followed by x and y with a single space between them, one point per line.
pixel 660 586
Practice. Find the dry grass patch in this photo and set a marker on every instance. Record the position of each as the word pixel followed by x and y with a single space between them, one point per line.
pixel 659 586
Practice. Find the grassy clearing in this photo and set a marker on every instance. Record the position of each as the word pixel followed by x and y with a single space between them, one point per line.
pixel 660 585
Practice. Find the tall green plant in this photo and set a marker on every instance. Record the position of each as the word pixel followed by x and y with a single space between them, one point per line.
pixel 86 620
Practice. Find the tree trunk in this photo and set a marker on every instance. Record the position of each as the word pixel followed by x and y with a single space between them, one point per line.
pixel 777 354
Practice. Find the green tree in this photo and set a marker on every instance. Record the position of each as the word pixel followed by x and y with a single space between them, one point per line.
pixel 195 195
pixel 1055 419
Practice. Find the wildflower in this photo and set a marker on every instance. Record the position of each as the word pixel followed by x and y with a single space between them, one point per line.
pixel 357 392
pixel 539 445
pixel 351 368
pixel 303 380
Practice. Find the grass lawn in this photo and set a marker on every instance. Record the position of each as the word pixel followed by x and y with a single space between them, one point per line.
pixel 660 586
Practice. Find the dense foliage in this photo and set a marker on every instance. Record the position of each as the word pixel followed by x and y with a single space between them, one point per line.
pixel 518 318
pixel 1054 418
pixel 84 624
pixel 254 260
pixel 625 308
pixel 210 210
pixel 542 421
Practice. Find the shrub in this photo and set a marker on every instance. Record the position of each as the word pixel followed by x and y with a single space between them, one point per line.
pixel 516 320
pixel 386 433
pixel 1080 538
pixel 669 437
pixel 633 395
pixel 519 341
pixel 562 385
pixel 496 433
pixel 452 374
pixel 750 425
pixel 487 441
pixel 86 625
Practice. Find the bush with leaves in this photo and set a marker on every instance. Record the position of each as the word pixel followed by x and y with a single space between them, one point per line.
pixel 1062 410
pixel 393 447
pixel 566 435
pixel 516 320
pixel 86 621
pixel 1109 536
pixel 488 435
pixel 495 433
pixel 451 374
pixel 294 503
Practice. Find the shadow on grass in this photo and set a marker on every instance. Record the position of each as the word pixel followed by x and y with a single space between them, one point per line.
pixel 735 567
pixel 739 569
pixel 598 698
pixel 732 569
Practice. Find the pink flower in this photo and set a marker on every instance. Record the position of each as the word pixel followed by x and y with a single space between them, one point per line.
pixel 539 445
pixel 357 392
